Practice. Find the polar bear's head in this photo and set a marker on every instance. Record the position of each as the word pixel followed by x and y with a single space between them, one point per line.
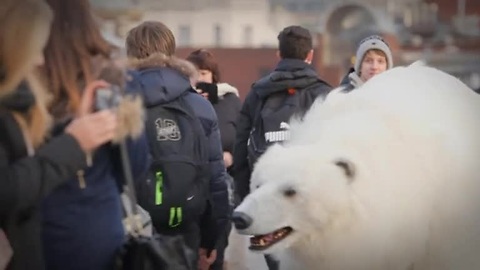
pixel 345 185
pixel 295 192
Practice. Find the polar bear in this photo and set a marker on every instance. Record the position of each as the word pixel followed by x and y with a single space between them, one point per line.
pixel 386 177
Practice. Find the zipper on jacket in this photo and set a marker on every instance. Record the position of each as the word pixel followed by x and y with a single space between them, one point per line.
pixel 81 173
pixel 81 179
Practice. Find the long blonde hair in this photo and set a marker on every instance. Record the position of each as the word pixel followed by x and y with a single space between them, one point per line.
pixel 24 30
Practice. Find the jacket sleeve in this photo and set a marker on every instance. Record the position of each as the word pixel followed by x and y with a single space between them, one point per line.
pixel 228 132
pixel 138 149
pixel 346 80
pixel 217 223
pixel 241 169
pixel 139 157
pixel 26 181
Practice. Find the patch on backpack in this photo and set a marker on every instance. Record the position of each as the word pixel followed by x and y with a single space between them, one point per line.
pixel 167 130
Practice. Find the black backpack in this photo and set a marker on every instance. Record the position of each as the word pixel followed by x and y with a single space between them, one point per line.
pixel 177 189
pixel 271 122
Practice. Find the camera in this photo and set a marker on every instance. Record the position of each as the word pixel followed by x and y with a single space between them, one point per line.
pixel 107 98
pixel 211 89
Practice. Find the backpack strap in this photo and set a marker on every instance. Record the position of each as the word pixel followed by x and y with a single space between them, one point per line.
pixel 256 115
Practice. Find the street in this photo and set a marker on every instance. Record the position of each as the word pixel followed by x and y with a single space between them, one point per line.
pixel 239 257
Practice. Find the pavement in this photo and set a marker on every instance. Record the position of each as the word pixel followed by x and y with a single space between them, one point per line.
pixel 239 257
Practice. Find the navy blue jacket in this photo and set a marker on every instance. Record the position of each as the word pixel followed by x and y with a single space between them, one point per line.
pixel 161 84
pixel 82 228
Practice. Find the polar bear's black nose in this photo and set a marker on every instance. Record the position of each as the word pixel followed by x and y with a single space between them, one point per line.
pixel 241 220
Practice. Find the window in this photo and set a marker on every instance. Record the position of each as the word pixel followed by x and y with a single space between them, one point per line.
pixel 217 33
pixel 248 35
pixel 184 35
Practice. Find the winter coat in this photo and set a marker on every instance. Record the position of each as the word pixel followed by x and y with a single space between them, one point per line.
pixel 162 79
pixel 350 81
pixel 227 109
pixel 26 180
pixel 82 224
pixel 289 73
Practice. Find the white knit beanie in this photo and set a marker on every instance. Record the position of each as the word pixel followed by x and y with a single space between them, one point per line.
pixel 370 43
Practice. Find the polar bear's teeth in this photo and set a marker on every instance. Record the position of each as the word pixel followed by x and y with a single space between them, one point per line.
pixel 280 233
pixel 261 242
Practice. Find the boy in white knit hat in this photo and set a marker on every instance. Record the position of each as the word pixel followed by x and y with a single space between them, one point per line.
pixel 373 57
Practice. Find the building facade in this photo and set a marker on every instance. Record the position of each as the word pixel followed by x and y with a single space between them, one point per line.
pixel 218 23
pixel 243 33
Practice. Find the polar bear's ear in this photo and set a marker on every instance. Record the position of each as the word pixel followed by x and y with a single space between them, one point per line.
pixel 348 168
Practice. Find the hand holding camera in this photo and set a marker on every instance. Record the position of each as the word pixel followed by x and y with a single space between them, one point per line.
pixel 92 129
pixel 107 98
pixel 208 90
pixel 97 96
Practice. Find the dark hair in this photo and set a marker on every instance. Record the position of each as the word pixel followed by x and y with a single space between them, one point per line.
pixel 204 59
pixel 295 42
pixel 75 40
pixel 148 38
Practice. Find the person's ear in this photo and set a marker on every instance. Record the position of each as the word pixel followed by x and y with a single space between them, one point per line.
pixel 278 54
pixel 309 58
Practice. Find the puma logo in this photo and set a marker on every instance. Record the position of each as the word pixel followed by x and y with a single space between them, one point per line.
pixel 284 125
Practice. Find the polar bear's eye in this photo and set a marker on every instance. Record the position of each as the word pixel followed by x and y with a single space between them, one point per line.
pixel 347 167
pixel 289 192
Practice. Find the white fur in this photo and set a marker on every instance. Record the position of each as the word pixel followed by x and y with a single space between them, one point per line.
pixel 413 137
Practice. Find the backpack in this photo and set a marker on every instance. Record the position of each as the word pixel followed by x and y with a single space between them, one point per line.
pixel 176 190
pixel 271 122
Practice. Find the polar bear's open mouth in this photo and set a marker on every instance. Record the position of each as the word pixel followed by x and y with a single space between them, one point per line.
pixel 264 241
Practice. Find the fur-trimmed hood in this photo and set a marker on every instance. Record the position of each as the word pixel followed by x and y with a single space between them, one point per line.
pixel 161 78
pixel 159 60
pixel 225 88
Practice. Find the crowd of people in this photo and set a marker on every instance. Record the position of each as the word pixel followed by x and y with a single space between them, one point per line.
pixel 192 142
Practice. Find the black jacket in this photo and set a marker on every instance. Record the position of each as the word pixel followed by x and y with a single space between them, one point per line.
pixel 26 181
pixel 227 108
pixel 346 80
pixel 350 81
pixel 227 105
pixel 289 73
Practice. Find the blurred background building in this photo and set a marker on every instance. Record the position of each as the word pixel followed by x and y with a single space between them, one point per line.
pixel 243 33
